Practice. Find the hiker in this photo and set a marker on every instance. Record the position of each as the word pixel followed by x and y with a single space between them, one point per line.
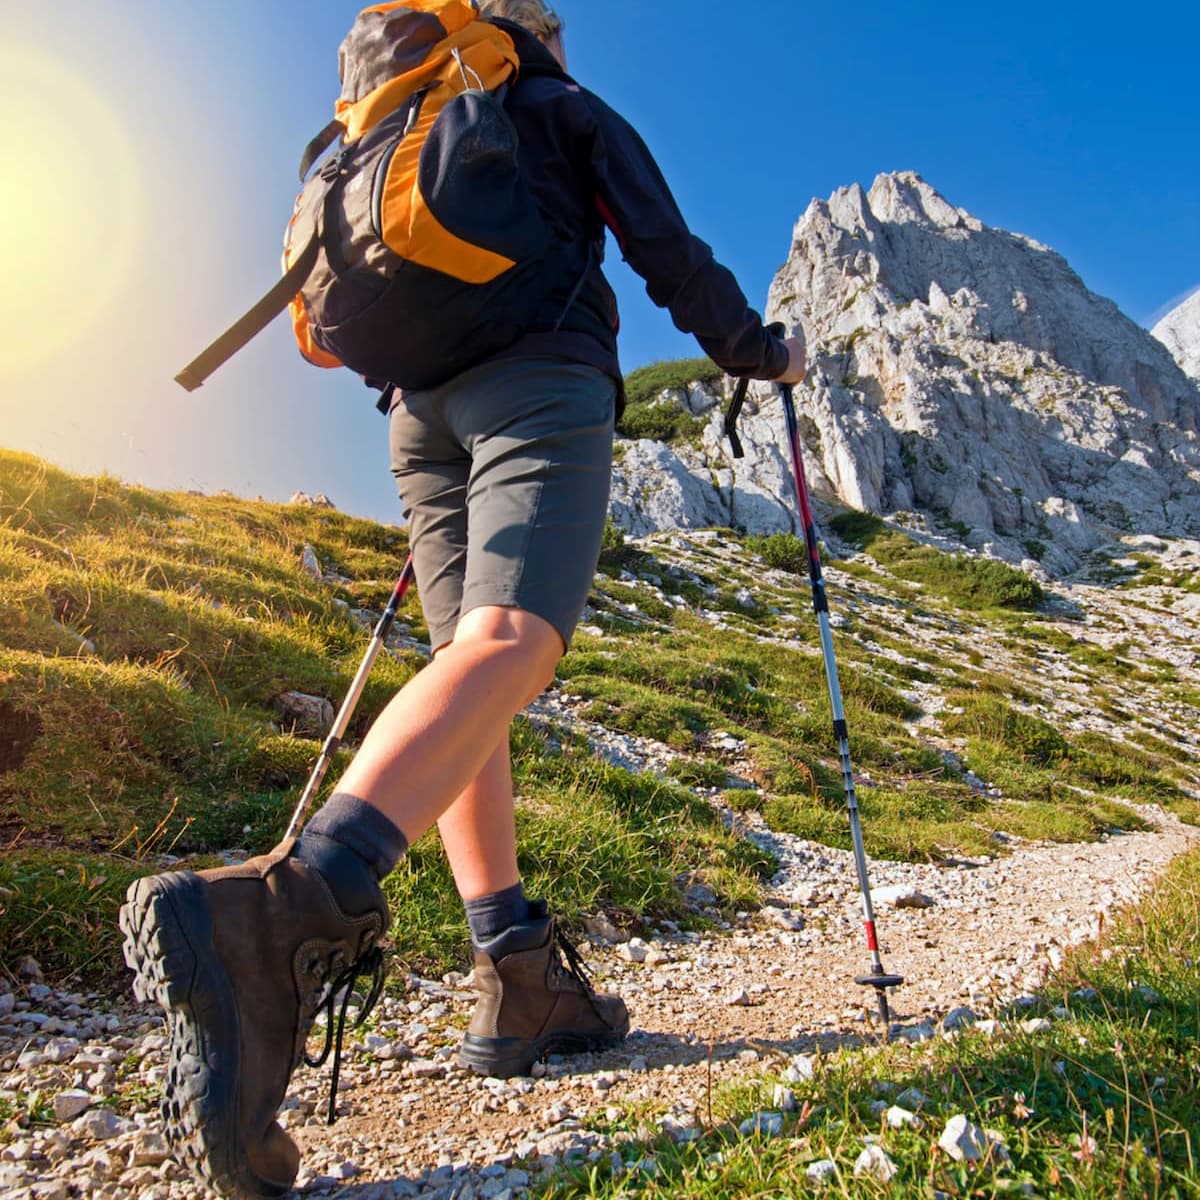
pixel 503 472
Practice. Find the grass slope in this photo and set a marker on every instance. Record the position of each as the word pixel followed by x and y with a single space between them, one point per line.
pixel 144 637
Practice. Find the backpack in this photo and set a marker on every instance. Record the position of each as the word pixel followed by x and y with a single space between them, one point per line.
pixel 415 250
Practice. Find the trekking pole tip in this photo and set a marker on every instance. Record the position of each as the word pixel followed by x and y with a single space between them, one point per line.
pixel 881 981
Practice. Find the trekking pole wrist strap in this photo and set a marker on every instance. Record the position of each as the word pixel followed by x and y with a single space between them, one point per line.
pixel 776 329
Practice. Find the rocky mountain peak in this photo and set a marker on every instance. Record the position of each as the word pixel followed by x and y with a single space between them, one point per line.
pixel 1179 331
pixel 963 380
pixel 859 254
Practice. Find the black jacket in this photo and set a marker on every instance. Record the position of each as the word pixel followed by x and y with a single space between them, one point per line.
pixel 588 168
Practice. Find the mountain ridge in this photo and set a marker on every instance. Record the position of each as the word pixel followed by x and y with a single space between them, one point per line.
pixel 964 379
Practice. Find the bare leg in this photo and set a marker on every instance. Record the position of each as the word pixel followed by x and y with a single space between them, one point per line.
pixel 478 831
pixel 441 730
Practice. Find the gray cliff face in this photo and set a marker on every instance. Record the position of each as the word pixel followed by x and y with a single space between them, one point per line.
pixel 1179 331
pixel 959 373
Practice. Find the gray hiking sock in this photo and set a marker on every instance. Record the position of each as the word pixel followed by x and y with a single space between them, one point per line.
pixel 489 916
pixel 353 845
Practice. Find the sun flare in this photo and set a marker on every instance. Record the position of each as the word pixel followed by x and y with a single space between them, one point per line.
pixel 69 206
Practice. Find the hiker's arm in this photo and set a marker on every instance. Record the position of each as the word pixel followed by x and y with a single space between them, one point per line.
pixel 681 275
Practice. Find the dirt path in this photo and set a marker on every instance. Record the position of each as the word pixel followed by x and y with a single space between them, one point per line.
pixel 733 1004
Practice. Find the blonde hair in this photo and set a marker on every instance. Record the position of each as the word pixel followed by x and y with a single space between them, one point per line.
pixel 533 15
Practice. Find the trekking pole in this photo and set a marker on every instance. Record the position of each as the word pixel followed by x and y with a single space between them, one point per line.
pixel 876 977
pixel 333 742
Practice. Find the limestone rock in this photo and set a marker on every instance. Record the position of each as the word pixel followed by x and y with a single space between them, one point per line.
pixel 72 1103
pixel 1179 331
pixel 320 500
pixel 963 1140
pixel 875 1162
pixel 968 373
pixel 821 1171
pixel 963 378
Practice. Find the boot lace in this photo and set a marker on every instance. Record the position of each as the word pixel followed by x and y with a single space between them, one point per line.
pixel 568 961
pixel 372 966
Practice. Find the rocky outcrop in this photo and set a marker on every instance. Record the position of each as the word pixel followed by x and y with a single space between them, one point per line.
pixel 699 485
pixel 961 375
pixel 1179 331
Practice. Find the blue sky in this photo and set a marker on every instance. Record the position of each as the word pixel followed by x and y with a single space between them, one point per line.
pixel 1073 123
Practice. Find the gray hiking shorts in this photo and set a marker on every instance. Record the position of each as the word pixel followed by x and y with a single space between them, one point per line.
pixel 503 473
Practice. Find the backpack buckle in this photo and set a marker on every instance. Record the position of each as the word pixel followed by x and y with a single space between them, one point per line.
pixel 335 165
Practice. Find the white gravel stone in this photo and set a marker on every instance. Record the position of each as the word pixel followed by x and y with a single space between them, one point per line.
pixel 902 896
pixel 875 1162
pixel 680 1128
pixel 821 1171
pixel 963 1140
pixel 903 1118
pixel 72 1103
pixel 766 1124
pixel 634 951
pixel 60 1050
pixel 427 1068
pixel 958 1018
pixel 802 1068
pixel 100 1124
pixel 50 1189
pixel 150 1149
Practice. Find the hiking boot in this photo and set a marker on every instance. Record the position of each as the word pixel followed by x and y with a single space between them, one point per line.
pixel 535 998
pixel 241 959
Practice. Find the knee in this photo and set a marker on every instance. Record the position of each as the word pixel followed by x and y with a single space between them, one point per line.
pixel 528 646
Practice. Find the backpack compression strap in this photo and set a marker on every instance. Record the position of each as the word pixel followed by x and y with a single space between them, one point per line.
pixel 253 322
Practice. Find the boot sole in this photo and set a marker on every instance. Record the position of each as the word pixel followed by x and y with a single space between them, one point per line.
pixel 167 928
pixel 504 1058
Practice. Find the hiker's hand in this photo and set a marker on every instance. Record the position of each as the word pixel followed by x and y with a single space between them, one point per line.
pixel 797 366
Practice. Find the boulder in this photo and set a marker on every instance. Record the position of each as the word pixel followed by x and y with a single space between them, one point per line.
pixel 307 716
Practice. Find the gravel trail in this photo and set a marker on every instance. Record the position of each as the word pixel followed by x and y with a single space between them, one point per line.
pixel 764 994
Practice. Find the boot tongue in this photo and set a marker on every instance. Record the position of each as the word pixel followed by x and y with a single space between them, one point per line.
pixel 525 935
pixel 351 880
